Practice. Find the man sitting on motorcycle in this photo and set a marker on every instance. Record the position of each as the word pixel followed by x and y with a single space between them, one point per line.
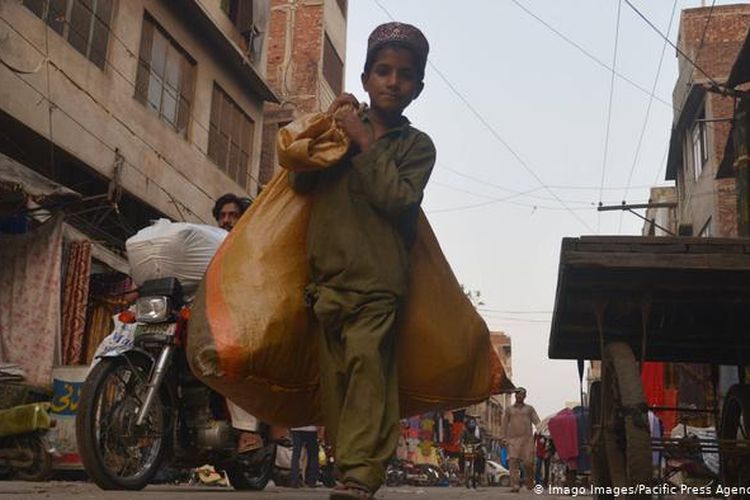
pixel 227 211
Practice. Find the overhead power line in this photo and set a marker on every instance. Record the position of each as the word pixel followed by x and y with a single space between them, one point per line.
pixel 637 154
pixel 500 311
pixel 494 132
pixel 524 194
pixel 590 55
pixel 609 109
pixel 650 102
pixel 714 84
pixel 56 106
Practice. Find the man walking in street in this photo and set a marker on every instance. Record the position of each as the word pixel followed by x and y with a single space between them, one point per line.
pixel 306 437
pixel 227 211
pixel 519 438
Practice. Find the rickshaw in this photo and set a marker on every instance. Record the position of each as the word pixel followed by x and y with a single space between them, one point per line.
pixel 626 300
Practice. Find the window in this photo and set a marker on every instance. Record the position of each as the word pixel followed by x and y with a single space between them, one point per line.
pixel 230 137
pixel 164 83
pixel 241 14
pixel 83 23
pixel 706 230
pixel 333 67
pixel 699 142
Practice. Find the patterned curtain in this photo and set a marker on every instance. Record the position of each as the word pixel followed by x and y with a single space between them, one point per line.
pixel 106 300
pixel 30 299
pixel 75 301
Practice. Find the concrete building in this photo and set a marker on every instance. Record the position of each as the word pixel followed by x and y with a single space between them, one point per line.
pixel 159 101
pixel 490 413
pixel 711 37
pixel 129 111
pixel 702 119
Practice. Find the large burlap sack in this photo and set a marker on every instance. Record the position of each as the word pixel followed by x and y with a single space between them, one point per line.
pixel 311 142
pixel 253 339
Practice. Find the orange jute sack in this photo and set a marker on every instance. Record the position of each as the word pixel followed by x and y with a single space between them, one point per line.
pixel 253 339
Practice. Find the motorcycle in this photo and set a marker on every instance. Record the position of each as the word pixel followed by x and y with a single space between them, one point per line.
pixel 25 451
pixel 403 472
pixel 142 409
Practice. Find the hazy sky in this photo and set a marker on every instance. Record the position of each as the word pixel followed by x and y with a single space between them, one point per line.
pixel 548 102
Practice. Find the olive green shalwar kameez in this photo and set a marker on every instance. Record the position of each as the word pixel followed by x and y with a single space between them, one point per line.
pixel 362 225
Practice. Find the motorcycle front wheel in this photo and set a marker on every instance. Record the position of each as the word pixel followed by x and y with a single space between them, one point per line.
pixel 117 454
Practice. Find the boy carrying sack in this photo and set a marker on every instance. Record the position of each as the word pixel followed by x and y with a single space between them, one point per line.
pixel 362 226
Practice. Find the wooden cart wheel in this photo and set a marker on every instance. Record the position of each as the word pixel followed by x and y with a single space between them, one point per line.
pixel 599 470
pixel 735 425
pixel 625 431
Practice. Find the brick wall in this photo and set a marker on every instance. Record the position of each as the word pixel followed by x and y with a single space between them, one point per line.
pixel 726 197
pixel 295 52
pixel 706 199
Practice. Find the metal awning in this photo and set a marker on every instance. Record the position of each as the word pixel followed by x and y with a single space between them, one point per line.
pixel 693 294
pixel 19 181
pixel 740 72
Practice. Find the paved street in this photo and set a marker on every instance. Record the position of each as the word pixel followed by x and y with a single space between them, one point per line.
pixel 80 491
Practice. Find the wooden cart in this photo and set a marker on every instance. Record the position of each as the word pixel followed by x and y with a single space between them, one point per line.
pixel 622 300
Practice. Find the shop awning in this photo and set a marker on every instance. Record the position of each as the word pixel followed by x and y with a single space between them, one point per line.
pixel 17 182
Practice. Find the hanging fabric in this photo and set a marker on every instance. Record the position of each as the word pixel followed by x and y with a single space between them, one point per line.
pixel 30 298
pixel 75 301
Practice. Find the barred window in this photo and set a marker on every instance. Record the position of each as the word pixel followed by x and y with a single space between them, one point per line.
pixel 230 137
pixel 83 23
pixel 164 82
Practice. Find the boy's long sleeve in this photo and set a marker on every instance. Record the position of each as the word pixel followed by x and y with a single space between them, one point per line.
pixel 394 188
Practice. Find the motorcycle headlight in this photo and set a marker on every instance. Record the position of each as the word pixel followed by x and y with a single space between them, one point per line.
pixel 152 309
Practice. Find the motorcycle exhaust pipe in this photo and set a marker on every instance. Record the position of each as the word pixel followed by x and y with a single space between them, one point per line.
pixel 153 386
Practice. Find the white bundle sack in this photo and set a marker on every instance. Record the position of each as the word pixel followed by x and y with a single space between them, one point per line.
pixel 177 249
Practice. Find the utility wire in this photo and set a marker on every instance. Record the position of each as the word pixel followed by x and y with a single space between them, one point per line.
pixel 494 132
pixel 513 320
pixel 648 113
pixel 500 311
pixel 714 84
pixel 506 199
pixel 693 66
pixel 99 139
pixel 609 110
pixel 524 194
pixel 650 102
pixel 193 118
pixel 590 55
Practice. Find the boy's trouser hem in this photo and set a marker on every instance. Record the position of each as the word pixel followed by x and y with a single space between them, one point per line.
pixel 359 388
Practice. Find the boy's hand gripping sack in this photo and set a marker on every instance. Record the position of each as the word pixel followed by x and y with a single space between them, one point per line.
pixel 253 338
